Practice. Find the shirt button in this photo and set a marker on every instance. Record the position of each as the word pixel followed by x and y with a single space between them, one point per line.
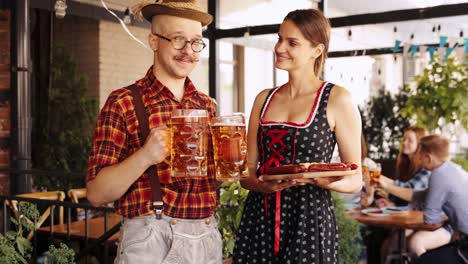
pixel 207 221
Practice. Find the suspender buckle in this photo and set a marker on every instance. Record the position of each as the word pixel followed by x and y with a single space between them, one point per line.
pixel 158 209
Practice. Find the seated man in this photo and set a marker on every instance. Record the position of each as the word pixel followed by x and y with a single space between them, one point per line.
pixel 446 193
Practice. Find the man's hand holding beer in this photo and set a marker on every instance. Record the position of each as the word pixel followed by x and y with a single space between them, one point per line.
pixel 157 145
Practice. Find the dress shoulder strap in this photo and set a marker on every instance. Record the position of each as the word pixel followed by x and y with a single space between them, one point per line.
pixel 267 100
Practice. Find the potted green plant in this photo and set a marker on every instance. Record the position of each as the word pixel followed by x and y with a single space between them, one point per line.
pixel 350 240
pixel 438 96
pixel 383 124
pixel 229 214
pixel 15 248
pixel 65 123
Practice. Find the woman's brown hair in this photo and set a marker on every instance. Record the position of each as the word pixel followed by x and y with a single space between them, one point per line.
pixel 316 28
pixel 407 166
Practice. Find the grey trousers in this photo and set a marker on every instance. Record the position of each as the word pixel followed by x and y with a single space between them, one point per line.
pixel 169 241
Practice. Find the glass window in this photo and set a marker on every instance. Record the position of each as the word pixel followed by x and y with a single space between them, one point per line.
pixel 364 76
pixel 226 91
pixel 258 74
pixel 199 75
pixel 352 73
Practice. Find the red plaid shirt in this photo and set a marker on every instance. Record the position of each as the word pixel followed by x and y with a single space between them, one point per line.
pixel 116 138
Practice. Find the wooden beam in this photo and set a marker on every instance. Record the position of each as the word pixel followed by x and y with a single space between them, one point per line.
pixel 401 15
pixel 357 20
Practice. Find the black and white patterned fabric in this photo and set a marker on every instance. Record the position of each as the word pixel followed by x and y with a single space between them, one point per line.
pixel 307 225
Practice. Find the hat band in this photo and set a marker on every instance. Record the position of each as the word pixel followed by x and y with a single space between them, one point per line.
pixel 184 5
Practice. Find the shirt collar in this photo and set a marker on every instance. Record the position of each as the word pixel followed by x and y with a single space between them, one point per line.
pixel 153 86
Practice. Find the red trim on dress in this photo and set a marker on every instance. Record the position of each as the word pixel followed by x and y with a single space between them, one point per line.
pixel 311 114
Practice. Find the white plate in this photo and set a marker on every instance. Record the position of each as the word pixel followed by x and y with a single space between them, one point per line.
pixel 396 209
pixel 374 212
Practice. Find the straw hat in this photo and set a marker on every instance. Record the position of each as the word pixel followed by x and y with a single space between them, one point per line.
pixel 180 8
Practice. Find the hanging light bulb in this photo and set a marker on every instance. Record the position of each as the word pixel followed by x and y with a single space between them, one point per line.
pixel 434 33
pixel 411 38
pixel 350 35
pixel 395 32
pixel 247 33
pixel 460 40
pixel 438 30
pixel 60 8
pixel 127 18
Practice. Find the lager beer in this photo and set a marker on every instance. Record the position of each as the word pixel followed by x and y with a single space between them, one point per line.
pixel 189 129
pixel 230 147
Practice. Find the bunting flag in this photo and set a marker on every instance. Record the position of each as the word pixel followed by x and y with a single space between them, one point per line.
pixel 396 48
pixel 431 51
pixel 452 41
pixel 443 41
pixel 422 49
pixel 460 53
pixel 442 51
pixel 413 50
pixel 447 46
pixel 448 52
pixel 406 47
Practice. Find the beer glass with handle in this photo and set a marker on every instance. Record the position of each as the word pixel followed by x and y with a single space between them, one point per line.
pixel 230 147
pixel 189 129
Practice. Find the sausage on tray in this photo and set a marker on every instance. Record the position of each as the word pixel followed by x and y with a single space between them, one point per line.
pixel 285 169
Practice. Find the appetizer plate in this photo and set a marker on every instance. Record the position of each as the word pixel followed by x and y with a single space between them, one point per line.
pixel 375 212
pixel 397 209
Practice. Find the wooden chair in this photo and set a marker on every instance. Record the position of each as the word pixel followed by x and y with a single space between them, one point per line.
pixel 75 195
pixel 53 195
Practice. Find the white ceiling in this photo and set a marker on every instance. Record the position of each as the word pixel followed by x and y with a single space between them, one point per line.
pixel 241 13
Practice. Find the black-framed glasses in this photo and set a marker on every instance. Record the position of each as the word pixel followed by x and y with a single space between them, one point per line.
pixel 179 42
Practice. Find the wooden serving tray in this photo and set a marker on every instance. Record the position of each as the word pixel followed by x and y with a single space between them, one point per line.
pixel 308 175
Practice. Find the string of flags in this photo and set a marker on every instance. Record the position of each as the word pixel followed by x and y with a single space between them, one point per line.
pixel 446 47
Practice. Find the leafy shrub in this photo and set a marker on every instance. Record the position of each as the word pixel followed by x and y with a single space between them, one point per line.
pixel 383 124
pixel 350 241
pixel 438 96
pixel 229 214
pixel 65 130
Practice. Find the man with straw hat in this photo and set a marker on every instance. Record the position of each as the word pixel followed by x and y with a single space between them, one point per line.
pixel 166 219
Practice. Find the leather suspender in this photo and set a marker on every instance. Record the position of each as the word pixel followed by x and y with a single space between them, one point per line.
pixel 157 204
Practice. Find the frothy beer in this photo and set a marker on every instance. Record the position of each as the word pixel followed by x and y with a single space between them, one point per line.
pixel 189 143
pixel 230 150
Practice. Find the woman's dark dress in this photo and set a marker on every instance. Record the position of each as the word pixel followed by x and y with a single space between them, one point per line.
pixel 307 231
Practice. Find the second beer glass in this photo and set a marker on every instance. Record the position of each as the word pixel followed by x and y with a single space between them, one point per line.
pixel 230 147
pixel 189 129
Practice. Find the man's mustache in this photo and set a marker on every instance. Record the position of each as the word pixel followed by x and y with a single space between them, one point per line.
pixel 182 57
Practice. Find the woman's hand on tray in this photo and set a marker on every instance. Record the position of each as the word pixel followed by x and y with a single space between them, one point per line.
pixel 321 181
pixel 275 186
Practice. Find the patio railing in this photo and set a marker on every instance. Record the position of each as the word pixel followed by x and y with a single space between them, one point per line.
pixel 92 242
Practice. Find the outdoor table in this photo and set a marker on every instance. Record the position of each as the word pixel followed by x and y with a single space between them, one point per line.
pixel 401 221
pixel 78 228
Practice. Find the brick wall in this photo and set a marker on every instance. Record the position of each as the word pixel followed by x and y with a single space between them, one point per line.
pixel 5 113
pixel 121 59
pixel 80 36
